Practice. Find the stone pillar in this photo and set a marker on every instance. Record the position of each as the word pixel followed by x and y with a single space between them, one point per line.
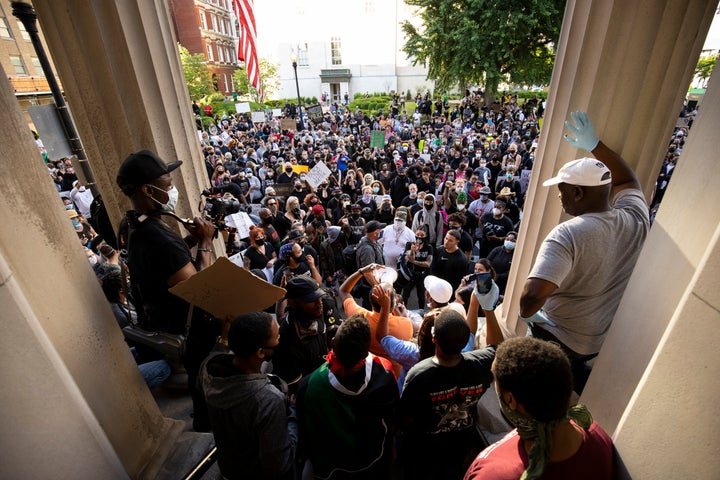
pixel 629 65
pixel 654 383
pixel 124 84
pixel 74 403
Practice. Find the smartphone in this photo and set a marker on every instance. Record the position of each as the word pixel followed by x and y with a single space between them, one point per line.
pixel 483 282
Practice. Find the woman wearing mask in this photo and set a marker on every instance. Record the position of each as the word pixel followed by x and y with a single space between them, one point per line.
pixel 418 258
pixel 350 184
pixel 367 204
pixel 385 212
pixel 378 190
pixel 260 254
pixel 501 259
pixel 293 212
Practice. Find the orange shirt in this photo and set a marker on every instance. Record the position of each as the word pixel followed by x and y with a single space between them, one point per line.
pixel 398 327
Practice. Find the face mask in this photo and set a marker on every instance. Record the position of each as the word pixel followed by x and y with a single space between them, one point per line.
pixel 296 211
pixel 92 260
pixel 461 206
pixel 346 204
pixel 81 189
pixel 399 224
pixel 76 224
pixel 509 176
pixel 376 189
pixel 509 245
pixel 267 221
pixel 355 216
pixel 428 206
pixel 413 194
pixel 496 211
pixel 260 241
pixel 171 203
pixel 483 197
pixel 288 170
pixel 302 179
pixel 366 197
pixel 420 201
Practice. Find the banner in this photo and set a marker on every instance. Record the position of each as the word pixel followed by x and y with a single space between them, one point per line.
pixel 377 139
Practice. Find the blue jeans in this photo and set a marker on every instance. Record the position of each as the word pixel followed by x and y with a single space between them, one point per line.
pixel 155 372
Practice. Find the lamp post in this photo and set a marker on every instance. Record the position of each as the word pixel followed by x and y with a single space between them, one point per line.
pixel 293 58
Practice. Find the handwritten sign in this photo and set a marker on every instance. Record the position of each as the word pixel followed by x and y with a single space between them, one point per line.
pixel 317 175
pixel 377 139
pixel 242 222
pixel 242 107
pixel 277 112
pixel 524 180
pixel 287 124
pixel 315 113
pixel 258 117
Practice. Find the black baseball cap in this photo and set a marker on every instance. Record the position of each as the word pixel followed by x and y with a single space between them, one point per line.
pixel 140 168
pixel 303 288
pixel 374 225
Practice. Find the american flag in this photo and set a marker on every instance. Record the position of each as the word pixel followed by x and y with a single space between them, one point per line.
pixel 247 49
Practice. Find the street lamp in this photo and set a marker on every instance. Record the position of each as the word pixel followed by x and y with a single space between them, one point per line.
pixel 293 59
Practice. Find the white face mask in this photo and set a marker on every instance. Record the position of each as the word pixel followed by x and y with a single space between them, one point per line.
pixel 496 211
pixel 399 224
pixel 172 201
pixel 461 206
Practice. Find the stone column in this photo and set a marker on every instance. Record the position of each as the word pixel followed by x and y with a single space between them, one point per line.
pixel 74 403
pixel 629 65
pixel 124 84
pixel 654 383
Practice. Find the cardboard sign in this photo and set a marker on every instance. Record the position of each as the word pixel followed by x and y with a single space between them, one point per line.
pixel 317 175
pixel 315 113
pixel 524 180
pixel 215 290
pixel 258 117
pixel 242 107
pixel 377 139
pixel 288 124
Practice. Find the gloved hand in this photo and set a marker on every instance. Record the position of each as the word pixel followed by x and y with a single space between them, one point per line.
pixel 537 317
pixel 583 131
pixel 488 300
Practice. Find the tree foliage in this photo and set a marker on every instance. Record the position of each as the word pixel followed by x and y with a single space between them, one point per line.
pixel 485 42
pixel 268 78
pixel 197 75
pixel 705 67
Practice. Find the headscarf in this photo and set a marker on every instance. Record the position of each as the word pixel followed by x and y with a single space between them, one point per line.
pixel 541 433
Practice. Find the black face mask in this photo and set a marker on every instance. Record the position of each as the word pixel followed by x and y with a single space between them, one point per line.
pixel 267 221
pixel 355 216
pixel 428 207
pixel 260 241
pixel 288 170
pixel 296 211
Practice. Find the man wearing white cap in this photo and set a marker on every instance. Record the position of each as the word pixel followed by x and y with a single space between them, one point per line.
pixel 584 264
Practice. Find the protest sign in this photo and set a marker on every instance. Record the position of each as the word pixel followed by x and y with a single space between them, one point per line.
pixel 315 113
pixel 287 124
pixel 258 117
pixel 317 175
pixel 242 107
pixel 377 139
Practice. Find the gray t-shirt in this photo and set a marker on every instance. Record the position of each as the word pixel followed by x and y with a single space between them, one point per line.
pixel 590 259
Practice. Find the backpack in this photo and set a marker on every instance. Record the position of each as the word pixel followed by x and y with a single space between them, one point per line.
pixel 350 259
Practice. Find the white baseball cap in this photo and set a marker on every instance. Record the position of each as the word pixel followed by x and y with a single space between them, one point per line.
pixel 439 290
pixel 584 172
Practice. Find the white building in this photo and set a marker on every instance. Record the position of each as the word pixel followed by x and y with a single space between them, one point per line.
pixel 353 46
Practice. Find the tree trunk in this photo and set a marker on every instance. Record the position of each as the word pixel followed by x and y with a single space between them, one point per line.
pixel 491 91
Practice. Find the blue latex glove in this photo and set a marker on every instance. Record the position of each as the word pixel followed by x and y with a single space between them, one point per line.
pixel 538 317
pixel 488 300
pixel 583 131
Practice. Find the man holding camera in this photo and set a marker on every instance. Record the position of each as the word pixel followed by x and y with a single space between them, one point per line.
pixel 158 259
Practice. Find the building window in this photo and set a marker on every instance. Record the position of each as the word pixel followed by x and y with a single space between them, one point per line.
pixel 210 55
pixel 5 29
pixel 213 19
pixel 17 64
pixel 222 26
pixel 203 19
pixel 23 33
pixel 303 57
pixel 37 67
pixel 335 51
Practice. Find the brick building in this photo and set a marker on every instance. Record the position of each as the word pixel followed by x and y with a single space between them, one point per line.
pixel 209 27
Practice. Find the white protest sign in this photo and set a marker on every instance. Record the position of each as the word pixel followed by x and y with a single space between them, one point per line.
pixel 242 222
pixel 258 117
pixel 242 107
pixel 316 176
pixel 277 112
pixel 425 157
pixel 524 180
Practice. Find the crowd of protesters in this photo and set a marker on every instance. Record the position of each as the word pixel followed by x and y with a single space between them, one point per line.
pixel 439 204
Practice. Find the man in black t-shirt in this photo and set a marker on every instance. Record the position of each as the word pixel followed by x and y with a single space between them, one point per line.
pixel 159 259
pixel 495 226
pixel 450 263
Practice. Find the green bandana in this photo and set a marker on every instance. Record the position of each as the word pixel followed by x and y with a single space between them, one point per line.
pixel 541 432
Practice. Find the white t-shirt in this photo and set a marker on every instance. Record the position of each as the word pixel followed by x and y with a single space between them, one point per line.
pixel 590 259
pixel 393 243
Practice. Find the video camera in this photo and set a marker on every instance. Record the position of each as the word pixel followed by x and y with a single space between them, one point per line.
pixel 218 207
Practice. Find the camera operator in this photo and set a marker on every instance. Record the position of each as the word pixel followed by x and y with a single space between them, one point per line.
pixel 158 259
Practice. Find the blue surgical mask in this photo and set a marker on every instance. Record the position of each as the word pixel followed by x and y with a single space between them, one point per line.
pixel 76 223
pixel 509 245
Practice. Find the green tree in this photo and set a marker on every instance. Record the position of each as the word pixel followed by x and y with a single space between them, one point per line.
pixel 466 42
pixel 705 67
pixel 268 78
pixel 197 75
